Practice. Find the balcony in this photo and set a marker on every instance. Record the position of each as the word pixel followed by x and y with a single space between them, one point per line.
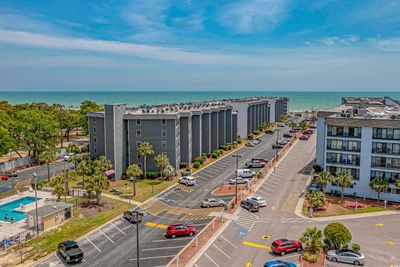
pixel 350 149
pixel 344 135
pixel 385 166
pixel 343 161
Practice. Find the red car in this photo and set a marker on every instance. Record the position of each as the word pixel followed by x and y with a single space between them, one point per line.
pixel 283 246
pixel 4 177
pixel 308 131
pixel 180 230
pixel 304 137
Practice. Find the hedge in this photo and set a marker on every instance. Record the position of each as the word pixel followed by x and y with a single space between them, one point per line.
pixel 199 159
pixel 224 148
pixel 257 132
pixel 196 164
pixel 214 155
pixel 151 174
pixel 183 165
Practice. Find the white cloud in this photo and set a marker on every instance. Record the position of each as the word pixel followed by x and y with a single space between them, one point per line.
pixel 253 16
pixel 390 44
pixel 336 40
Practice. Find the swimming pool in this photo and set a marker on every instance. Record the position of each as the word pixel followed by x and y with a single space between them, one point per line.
pixel 9 207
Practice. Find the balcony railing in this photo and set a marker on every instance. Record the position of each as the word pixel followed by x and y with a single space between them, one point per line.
pixel 343 161
pixel 344 135
pixel 351 149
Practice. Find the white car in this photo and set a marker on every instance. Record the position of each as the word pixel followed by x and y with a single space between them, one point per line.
pixel 261 201
pixel 68 156
pixel 240 180
pixel 255 164
pixel 187 180
pixel 280 124
pixel 245 173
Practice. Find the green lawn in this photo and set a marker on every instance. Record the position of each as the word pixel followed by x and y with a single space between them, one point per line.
pixel 72 229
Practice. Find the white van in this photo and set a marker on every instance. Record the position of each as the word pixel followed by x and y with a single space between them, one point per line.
pixel 245 173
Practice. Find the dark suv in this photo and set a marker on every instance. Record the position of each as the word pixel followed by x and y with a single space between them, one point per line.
pixel 131 216
pixel 70 251
pixel 283 246
pixel 250 205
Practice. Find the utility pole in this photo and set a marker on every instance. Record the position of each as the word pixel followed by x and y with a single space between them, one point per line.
pixel 36 207
pixel 137 238
pixel 236 177
pixel 277 140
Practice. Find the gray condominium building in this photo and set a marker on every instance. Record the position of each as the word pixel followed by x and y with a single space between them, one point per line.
pixel 181 131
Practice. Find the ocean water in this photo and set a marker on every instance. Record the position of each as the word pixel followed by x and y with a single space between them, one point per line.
pixel 297 100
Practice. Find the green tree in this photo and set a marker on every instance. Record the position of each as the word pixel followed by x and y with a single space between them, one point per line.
pixel 397 183
pixel 292 125
pixel 101 165
pixel 311 239
pixel 379 185
pixel 145 150
pixel 169 171
pixel 85 107
pixel 323 179
pixel 344 179
pixel 96 183
pixel 304 125
pixel 46 157
pixel 161 161
pixel 73 148
pixel 67 119
pixel 283 118
pixel 6 141
pixel 68 178
pixel 83 169
pixel 336 236
pixel 317 199
pixel 134 171
pixel 58 185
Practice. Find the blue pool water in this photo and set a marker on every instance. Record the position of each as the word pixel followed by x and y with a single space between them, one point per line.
pixel 9 207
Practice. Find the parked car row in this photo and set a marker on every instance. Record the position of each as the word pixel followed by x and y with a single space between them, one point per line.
pixel 6 175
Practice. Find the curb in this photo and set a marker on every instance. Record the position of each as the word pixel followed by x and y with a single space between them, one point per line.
pixel 356 216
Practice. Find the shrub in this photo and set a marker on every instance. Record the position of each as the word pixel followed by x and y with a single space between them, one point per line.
pixel 199 160
pixel 183 165
pixel 85 148
pixel 203 154
pixel 39 185
pixel 250 136
pixel 259 175
pixel 186 173
pixel 151 175
pixel 209 155
pixel 221 152
pixel 196 164
pixel 214 155
pixel 311 258
pixel 336 236
pixel 257 132
pixel 235 143
pixel 356 247
pixel 188 169
pixel 204 158
pixel 216 152
pixel 239 140
pixel 224 148
pixel 317 168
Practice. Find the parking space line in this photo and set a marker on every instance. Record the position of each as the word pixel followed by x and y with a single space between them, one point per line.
pixel 156 257
pixel 149 249
pixel 106 236
pixel 177 194
pixel 130 224
pixel 93 244
pixel 163 240
pixel 229 242
pixel 118 228
pixel 222 252
pixel 211 259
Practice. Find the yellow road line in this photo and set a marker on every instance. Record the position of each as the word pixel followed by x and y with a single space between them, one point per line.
pixel 151 224
pixel 157 225
pixel 390 243
pixel 379 224
pixel 255 245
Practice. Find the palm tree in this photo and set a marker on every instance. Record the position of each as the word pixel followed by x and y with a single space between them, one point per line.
pixel 68 177
pixel 397 183
pixel 161 161
pixel 344 179
pixel 311 239
pixel 169 171
pixel 96 183
pixel 379 185
pixel 134 171
pixel 47 157
pixel 83 169
pixel 317 199
pixel 292 125
pixel 58 186
pixel 101 165
pixel 73 148
pixel 323 179
pixel 145 149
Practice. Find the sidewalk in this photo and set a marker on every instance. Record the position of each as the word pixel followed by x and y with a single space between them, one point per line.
pixel 134 202
pixel 356 216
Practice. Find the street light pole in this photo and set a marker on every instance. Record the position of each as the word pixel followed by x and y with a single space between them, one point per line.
pixel 12 170
pixel 36 207
pixel 277 140
pixel 236 177
pixel 137 238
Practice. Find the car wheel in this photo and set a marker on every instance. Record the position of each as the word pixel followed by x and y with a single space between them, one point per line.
pixel 221 205
pixel 173 236
pixel 334 259
pixel 283 253
pixel 208 206
pixel 299 249
pixel 356 263
pixel 191 233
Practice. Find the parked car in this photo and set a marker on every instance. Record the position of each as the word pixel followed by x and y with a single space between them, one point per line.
pixel 304 137
pixel 245 173
pixel 70 251
pixel 346 255
pixel 68 156
pixel 283 246
pixel 261 201
pixel 255 164
pixel 131 216
pixel 297 129
pixel 277 146
pixel 261 160
pixel 308 132
pixel 313 127
pixel 288 135
pixel 292 131
pixel 279 263
pixel 212 202
pixel 251 144
pixel 180 230
pixel 250 205
pixel 280 124
pixel 315 187
pixel 4 177
pixel 187 180
pixel 269 131
pixel 240 180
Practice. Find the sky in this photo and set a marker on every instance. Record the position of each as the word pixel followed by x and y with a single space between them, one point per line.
pixel 141 45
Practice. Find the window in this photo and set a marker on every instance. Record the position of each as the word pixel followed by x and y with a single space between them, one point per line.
pixel 94 120
pixel 163 144
pixel 139 165
pixel 164 122
pixel 339 158
pixel 138 133
pixel 95 150
pixel 94 140
pixel 344 131
pixel 94 129
pixel 138 122
pixel 138 156
pixel 138 144
pixel 164 153
pixel 386 133
pixel 163 133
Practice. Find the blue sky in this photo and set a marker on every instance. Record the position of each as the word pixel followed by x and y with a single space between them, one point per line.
pixel 200 45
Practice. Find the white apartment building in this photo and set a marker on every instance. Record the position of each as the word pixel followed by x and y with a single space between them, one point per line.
pixel 361 136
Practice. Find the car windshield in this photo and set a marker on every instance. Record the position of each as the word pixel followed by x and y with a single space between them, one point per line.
pixel 71 247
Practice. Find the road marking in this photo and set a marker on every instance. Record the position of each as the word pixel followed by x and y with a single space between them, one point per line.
pixel 118 228
pixel 177 193
pixel 390 242
pixel 255 245
pixel 93 244
pixel 266 237
pixel 106 236
pixel 157 257
pixel 222 252
pixel 163 240
pixel 211 259
pixel 157 225
pixel 151 224
pixel 229 242
pixel 148 249
pixel 248 264
pixel 379 224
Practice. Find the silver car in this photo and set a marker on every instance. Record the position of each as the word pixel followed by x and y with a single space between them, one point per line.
pixel 261 201
pixel 212 202
pixel 346 255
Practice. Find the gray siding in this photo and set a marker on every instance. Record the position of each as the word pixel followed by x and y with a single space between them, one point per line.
pixel 228 121
pixel 206 133
pixel 196 136
pixel 185 139
pixel 96 138
pixel 214 130
pixel 222 128
pixel 234 126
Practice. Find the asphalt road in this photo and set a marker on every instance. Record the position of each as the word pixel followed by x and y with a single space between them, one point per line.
pixel 115 244
pixel 247 241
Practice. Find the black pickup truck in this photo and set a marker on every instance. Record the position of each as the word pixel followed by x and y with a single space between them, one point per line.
pixel 70 251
